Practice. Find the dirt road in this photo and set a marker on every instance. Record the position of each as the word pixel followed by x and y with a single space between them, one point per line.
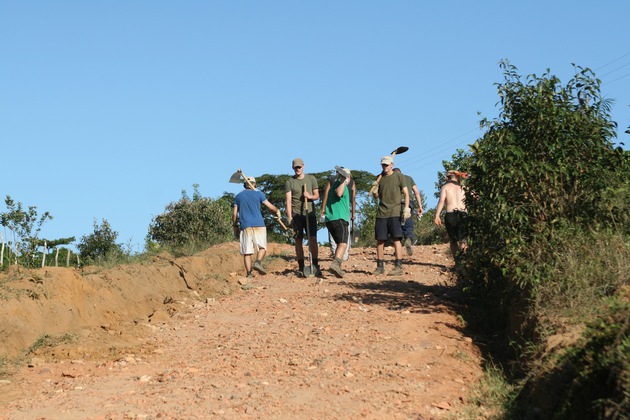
pixel 279 347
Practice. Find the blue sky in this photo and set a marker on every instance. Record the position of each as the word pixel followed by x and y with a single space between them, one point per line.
pixel 109 109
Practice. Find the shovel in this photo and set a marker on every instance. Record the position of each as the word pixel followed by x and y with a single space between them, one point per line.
pixel 236 179
pixel 399 151
pixel 309 271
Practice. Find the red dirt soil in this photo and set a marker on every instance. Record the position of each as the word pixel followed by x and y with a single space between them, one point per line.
pixel 192 338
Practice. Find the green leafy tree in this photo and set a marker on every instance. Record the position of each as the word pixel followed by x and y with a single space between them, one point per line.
pixel 100 246
pixel 25 226
pixel 543 162
pixel 191 224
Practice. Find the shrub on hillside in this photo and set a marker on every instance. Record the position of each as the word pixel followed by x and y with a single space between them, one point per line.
pixel 543 165
pixel 100 246
pixel 189 225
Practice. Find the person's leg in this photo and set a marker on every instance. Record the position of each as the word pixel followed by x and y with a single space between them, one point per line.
pixel 451 224
pixel 247 260
pixel 462 231
pixel 395 232
pixel 299 226
pixel 397 248
pixel 381 236
pixel 258 263
pixel 380 254
pixel 454 249
pixel 341 251
pixel 247 249
pixel 333 244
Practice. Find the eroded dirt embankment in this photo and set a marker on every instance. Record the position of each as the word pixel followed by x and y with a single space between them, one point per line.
pixel 191 338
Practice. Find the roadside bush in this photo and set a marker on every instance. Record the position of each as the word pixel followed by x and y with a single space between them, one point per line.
pixel 100 247
pixel 190 225
pixel 427 232
pixel 548 243
pixel 542 166
pixel 590 380
pixel 577 270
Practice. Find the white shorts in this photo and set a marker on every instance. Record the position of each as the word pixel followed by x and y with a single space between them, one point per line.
pixel 252 239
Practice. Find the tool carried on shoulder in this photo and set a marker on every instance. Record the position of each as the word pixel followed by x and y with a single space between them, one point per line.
pixel 238 177
pixel 398 151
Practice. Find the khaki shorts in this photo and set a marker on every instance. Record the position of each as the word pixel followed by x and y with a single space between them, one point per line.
pixel 252 239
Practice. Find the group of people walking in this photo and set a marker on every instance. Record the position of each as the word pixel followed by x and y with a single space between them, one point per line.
pixel 396 210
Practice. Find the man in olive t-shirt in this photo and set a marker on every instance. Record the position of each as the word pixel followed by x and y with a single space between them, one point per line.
pixel 392 188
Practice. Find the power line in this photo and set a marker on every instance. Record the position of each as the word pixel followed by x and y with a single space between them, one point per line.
pixel 413 162
pixel 614 61
pixel 614 80
pixel 438 147
pixel 612 71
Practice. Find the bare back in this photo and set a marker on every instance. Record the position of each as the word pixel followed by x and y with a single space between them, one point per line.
pixel 454 196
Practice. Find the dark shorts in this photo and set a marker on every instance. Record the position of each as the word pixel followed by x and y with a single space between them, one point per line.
pixel 456 225
pixel 339 231
pixel 299 225
pixel 387 228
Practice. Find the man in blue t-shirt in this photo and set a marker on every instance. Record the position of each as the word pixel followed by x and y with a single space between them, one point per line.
pixel 253 233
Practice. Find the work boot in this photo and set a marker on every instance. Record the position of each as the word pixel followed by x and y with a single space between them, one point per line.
pixel 258 267
pixel 408 248
pixel 317 271
pixel 397 270
pixel 335 268
pixel 380 269
pixel 300 272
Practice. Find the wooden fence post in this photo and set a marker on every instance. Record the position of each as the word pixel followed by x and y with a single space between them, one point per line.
pixel 2 252
pixel 44 255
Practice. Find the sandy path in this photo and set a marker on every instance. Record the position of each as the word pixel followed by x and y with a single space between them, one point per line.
pixel 282 348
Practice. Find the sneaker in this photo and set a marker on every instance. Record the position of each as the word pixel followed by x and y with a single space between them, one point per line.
pixel 396 271
pixel 379 270
pixel 318 272
pixel 408 246
pixel 249 275
pixel 258 267
pixel 335 268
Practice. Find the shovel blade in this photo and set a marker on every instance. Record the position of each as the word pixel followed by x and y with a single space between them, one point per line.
pixel 309 271
pixel 400 150
pixel 236 177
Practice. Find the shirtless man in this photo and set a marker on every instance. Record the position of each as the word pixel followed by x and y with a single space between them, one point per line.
pixel 452 195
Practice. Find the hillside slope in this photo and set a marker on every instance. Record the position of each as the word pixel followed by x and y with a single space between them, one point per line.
pixel 191 337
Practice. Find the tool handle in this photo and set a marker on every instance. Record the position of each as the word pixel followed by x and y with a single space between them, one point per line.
pixel 375 187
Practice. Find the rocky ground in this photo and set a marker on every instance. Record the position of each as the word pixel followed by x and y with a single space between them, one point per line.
pixel 192 338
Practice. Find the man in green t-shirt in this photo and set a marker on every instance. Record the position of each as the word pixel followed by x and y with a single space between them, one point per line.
pixel 391 191
pixel 336 212
pixel 301 191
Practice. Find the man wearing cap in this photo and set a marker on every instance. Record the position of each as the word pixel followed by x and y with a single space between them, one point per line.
pixel 408 227
pixel 301 191
pixel 452 196
pixel 253 232
pixel 337 210
pixel 391 192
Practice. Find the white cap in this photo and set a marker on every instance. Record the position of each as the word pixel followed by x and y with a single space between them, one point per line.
pixel 344 172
